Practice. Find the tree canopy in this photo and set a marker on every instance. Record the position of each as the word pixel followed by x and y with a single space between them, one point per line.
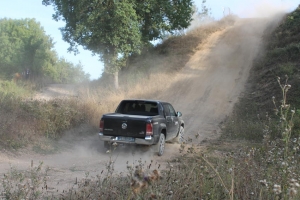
pixel 66 72
pixel 114 30
pixel 24 46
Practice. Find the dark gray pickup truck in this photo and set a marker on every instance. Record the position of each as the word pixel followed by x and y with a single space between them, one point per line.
pixel 144 122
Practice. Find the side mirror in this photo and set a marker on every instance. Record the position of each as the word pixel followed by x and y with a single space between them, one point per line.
pixel 179 114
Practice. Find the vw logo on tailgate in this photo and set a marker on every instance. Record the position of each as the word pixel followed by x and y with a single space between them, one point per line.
pixel 124 126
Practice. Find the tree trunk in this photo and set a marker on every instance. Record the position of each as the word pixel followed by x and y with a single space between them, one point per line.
pixel 116 80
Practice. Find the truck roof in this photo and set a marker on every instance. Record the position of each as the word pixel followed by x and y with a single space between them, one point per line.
pixel 146 100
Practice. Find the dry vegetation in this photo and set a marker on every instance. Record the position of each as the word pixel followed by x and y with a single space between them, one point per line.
pixel 261 161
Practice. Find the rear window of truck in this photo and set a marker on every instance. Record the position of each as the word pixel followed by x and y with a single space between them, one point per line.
pixel 138 108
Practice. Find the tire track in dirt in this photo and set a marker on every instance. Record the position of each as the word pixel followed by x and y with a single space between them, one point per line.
pixel 56 91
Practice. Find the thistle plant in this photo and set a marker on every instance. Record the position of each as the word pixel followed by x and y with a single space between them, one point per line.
pixel 28 184
pixel 281 152
pixel 286 115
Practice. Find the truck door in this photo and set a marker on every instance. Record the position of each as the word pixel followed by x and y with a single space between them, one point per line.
pixel 175 121
pixel 170 121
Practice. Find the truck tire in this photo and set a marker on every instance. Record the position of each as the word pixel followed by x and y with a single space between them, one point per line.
pixel 180 135
pixel 179 138
pixel 161 145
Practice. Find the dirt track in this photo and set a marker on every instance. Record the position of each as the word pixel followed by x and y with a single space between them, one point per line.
pixel 205 92
pixel 57 90
pixel 214 77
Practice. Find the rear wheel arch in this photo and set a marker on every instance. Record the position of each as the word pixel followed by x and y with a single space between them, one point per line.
pixel 181 125
pixel 164 131
pixel 180 135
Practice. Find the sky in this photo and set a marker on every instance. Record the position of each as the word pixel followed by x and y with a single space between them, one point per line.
pixel 20 9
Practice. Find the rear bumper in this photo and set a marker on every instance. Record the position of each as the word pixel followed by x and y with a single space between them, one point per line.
pixel 149 140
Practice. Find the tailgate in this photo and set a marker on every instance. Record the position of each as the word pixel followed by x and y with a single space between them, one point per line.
pixel 125 125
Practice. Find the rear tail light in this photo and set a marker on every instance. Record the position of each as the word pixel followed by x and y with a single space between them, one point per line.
pixel 149 129
pixel 101 125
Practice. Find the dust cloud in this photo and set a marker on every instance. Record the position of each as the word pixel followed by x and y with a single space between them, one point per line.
pixel 242 9
pixel 265 8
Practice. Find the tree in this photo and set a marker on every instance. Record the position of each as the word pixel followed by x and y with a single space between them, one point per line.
pixel 108 29
pixel 23 45
pixel 159 16
pixel 204 14
pixel 114 30
pixel 66 72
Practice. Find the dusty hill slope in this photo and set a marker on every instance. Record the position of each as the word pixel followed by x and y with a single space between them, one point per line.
pixel 214 77
pixel 280 58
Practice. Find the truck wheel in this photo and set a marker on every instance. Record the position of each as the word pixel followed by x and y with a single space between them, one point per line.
pixel 180 138
pixel 161 144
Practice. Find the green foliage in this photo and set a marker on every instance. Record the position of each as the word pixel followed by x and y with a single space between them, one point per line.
pixel 287 68
pixel 124 37
pixel 204 14
pixel 285 54
pixel 10 87
pixel 287 32
pixel 158 17
pixel 65 72
pixel 23 45
pixel 244 122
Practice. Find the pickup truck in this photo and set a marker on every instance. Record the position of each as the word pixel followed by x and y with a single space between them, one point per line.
pixel 143 122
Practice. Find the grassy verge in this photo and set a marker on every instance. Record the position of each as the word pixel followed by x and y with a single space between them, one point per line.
pixel 235 172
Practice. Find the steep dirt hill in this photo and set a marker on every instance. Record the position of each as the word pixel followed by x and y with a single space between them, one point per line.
pixel 215 76
pixel 205 91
